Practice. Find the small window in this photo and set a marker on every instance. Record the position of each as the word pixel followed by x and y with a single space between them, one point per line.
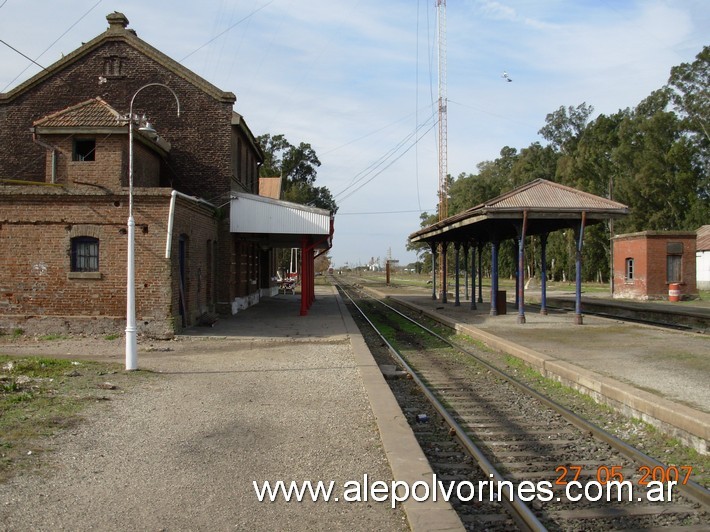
pixel 113 66
pixel 629 275
pixel 84 254
pixel 84 150
pixel 674 268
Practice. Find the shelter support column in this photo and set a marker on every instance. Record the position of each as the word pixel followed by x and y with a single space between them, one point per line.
pixel 465 270
pixel 433 270
pixel 522 228
pixel 480 272
pixel 473 277
pixel 516 256
pixel 444 284
pixel 494 277
pixel 543 273
pixel 457 248
pixel 578 273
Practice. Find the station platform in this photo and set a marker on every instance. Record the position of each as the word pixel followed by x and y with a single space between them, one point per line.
pixel 264 395
pixel 652 373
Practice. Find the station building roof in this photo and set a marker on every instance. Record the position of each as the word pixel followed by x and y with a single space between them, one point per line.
pixel 545 205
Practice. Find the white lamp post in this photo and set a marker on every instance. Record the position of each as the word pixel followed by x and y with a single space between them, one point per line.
pixel 131 338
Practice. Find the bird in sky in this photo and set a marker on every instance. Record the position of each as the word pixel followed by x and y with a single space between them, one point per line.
pixel 506 77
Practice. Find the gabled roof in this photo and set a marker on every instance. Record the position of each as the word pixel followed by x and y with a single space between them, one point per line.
pixel 91 113
pixel 547 206
pixel 118 31
pixel 95 116
pixel 703 239
pixel 542 195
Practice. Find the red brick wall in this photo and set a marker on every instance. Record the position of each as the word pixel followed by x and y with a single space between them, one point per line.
pixel 35 278
pixel 636 250
pixel 649 251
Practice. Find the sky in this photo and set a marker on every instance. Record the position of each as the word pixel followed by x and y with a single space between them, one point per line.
pixel 358 80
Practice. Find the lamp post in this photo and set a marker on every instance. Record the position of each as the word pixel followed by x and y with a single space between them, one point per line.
pixel 131 338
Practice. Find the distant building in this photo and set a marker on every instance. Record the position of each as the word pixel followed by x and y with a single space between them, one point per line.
pixel 647 263
pixel 702 253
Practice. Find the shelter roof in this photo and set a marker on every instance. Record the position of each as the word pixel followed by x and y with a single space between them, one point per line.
pixel 703 239
pixel 546 207
pixel 276 223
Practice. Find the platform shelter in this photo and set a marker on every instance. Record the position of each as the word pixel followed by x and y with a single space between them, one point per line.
pixel 273 223
pixel 536 208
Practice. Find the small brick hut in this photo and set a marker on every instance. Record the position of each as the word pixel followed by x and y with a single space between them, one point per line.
pixel 648 262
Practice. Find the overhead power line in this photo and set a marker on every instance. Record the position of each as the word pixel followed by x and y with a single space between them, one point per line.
pixel 228 29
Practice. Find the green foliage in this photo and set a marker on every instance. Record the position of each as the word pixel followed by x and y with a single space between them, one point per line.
pixel 654 158
pixel 297 167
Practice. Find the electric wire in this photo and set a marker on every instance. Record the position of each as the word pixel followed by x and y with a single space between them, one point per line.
pixel 229 28
pixel 48 47
pixel 363 174
pixel 390 164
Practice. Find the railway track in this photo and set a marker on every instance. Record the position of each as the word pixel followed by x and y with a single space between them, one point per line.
pixel 514 457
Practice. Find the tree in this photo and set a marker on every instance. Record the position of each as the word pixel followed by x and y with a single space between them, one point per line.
pixel 690 84
pixel 297 167
pixel 657 179
pixel 564 126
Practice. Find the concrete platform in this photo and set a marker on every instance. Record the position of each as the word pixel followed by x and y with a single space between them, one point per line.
pixel 277 319
pixel 659 375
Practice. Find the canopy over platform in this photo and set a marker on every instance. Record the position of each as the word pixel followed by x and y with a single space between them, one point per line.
pixel 536 208
pixel 273 223
pixel 549 207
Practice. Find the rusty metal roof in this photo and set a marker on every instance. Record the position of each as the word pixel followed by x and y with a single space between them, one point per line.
pixel 89 114
pixel 703 239
pixel 545 205
pixel 545 195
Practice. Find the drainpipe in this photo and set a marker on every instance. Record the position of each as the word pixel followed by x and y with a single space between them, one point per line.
pixel 171 216
pixel 36 140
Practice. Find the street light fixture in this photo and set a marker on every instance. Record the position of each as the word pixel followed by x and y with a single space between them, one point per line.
pixel 131 337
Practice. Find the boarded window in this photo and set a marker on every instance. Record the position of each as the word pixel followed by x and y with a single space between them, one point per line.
pixel 674 268
pixel 84 254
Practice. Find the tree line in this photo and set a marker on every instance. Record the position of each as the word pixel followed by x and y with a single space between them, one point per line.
pixel 654 158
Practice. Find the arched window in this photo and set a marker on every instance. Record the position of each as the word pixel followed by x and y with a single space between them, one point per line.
pixel 629 276
pixel 84 254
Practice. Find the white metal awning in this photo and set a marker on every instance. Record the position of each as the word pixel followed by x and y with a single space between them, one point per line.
pixel 277 223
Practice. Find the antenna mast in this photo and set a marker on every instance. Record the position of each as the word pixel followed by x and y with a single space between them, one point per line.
pixel 443 185
pixel 441 40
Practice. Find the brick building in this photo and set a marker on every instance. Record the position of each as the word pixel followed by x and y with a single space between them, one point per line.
pixel 64 194
pixel 646 263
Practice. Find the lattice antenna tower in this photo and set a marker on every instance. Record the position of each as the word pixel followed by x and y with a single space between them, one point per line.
pixel 443 133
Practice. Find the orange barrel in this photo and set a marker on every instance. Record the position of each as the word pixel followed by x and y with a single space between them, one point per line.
pixel 674 292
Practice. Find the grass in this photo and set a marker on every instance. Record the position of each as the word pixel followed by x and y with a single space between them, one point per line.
pixel 41 396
